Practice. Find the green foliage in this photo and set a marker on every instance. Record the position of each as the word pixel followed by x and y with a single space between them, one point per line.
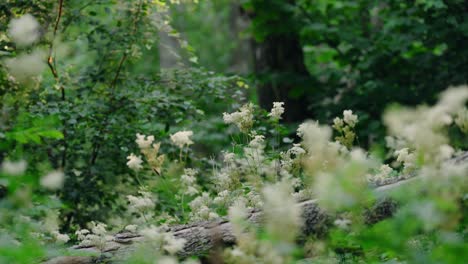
pixel 363 55
pixel 99 106
pixel 96 132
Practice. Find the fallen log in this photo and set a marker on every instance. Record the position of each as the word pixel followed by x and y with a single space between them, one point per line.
pixel 201 237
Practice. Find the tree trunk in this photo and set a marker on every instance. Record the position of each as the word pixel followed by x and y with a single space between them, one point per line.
pixel 279 64
pixel 278 57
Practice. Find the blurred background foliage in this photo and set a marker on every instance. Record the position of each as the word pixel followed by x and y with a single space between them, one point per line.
pixel 324 56
pixel 156 67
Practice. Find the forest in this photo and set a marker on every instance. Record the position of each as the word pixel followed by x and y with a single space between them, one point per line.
pixel 233 131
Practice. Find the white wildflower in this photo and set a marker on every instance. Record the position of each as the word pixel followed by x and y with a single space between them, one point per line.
pixel 53 180
pixel 134 162
pixel 182 138
pixel 342 223
pixel 152 233
pixel 141 203
pixel 403 155
pixel 98 228
pixel 212 215
pixel 423 127
pixel 445 152
pixel 384 172
pixel 14 167
pixel 173 244
pixel 349 118
pixel 277 110
pixel 229 157
pixel 24 31
pixel 222 198
pixel 257 142
pixel 452 98
pixel 282 216
pixel 315 137
pixel 297 150
pixel 188 181
pixel 223 181
pixel 61 238
pixel 131 228
pixel 338 123
pixel 98 239
pixel 395 143
pixel 81 234
pixel 26 65
pixel 331 191
pixel 200 208
pixel 237 216
pixel 337 147
pixel 143 141
pixel 243 118
pixel 254 200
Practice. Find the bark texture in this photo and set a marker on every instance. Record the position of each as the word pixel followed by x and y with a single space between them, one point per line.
pixel 201 237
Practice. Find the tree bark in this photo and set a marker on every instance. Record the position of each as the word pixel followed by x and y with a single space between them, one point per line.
pixel 278 57
pixel 201 237
pixel 279 64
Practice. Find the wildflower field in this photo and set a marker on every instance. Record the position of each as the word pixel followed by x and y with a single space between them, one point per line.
pixel 233 131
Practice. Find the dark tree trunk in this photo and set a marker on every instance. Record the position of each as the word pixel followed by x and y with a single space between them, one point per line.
pixel 279 63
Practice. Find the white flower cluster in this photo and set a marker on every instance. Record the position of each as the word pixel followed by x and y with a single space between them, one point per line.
pixel 258 142
pixel 24 31
pixel 276 111
pixel 395 143
pixel 14 168
pixel 406 158
pixel 161 240
pixel 222 199
pixel 229 157
pixel 384 173
pixel 60 238
pixel 182 138
pixel 143 203
pixel 131 228
pixel 423 128
pixel 189 182
pixel 26 65
pixel 200 208
pixel 349 118
pixel 151 152
pixel 292 157
pixel 315 137
pixel 282 220
pixel 54 180
pixel 143 141
pixel 243 118
pixel 342 223
pixel 345 128
pixel 342 184
pixel 282 216
pixel 134 162
pixel 97 237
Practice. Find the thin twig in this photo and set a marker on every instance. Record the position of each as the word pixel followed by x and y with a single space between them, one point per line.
pixel 53 69
pixel 50 59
